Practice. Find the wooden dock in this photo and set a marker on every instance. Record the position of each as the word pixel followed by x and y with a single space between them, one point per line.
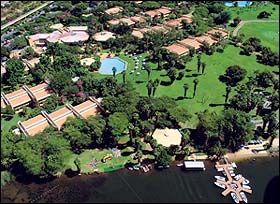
pixel 232 182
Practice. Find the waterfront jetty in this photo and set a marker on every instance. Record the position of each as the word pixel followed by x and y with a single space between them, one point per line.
pixel 232 185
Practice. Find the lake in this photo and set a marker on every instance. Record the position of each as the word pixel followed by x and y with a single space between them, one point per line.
pixel 167 186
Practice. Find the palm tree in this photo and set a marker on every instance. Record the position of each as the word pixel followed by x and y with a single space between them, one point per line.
pixel 186 87
pixel 198 66
pixel 124 76
pixel 149 70
pixel 185 138
pixel 199 58
pixel 195 82
pixel 114 72
pixel 172 73
pixel 203 67
pixel 228 89
pixel 155 85
pixel 150 87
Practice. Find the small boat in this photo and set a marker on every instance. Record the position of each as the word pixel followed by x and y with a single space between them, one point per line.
pixel 180 164
pixel 246 186
pixel 237 177
pixel 224 173
pixel 232 174
pixel 234 197
pixel 233 165
pixel 130 168
pixel 243 196
pixel 220 169
pixel 220 185
pixel 230 168
pixel 136 168
pixel 220 178
pixel 246 181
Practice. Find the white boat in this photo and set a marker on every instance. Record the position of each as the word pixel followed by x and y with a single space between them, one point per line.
pixel 220 185
pixel 234 197
pixel 180 164
pixel 246 181
pixel 230 168
pixel 243 196
pixel 136 168
pixel 246 186
pixel 224 173
pixel 233 165
pixel 130 168
pixel 220 178
pixel 220 169
pixel 237 177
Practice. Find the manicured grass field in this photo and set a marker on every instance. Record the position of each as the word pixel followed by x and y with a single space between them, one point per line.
pixel 87 156
pixel 251 12
pixel 267 32
pixel 210 90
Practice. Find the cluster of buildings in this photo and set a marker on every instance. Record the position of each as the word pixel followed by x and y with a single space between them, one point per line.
pixel 25 96
pixel 69 34
pixel 56 119
pixel 182 47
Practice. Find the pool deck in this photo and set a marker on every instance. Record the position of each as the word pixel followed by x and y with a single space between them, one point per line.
pixel 230 181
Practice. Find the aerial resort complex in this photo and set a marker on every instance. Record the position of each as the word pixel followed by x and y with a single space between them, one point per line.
pixel 139 101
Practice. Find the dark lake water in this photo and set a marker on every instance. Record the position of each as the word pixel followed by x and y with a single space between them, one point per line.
pixel 167 186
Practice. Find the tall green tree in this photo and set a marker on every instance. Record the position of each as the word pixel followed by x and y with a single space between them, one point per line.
pixel 228 90
pixel 14 72
pixel 195 82
pixel 149 70
pixel 124 76
pixel 114 70
pixel 186 87
pixel 150 87
pixel 172 74
pixel 203 67
pixel 234 74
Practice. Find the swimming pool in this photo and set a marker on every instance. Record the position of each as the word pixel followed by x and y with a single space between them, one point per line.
pixel 239 3
pixel 108 64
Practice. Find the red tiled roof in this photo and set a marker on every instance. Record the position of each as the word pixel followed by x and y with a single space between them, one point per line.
pixel 191 42
pixel 114 10
pixel 137 33
pixel 164 10
pixel 114 21
pixel 127 20
pixel 41 91
pixel 152 13
pixel 206 38
pixel 177 49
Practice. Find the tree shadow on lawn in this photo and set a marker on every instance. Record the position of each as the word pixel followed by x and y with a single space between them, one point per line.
pixel 139 82
pixel 188 70
pixel 188 76
pixel 179 98
pixel 165 83
pixel 219 104
pixel 196 75
pixel 163 75
pixel 126 153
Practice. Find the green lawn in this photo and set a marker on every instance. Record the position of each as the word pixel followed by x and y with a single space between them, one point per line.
pixel 209 91
pixel 251 12
pixel 267 32
pixel 87 156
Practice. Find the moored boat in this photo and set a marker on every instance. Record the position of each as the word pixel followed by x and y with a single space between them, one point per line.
pixel 230 168
pixel 246 181
pixel 220 178
pixel 220 185
pixel 220 169
pixel 237 177
pixel 234 197
pixel 233 165
pixel 180 164
pixel 243 196
pixel 246 186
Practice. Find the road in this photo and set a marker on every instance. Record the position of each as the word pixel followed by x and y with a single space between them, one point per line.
pixel 250 21
pixel 25 15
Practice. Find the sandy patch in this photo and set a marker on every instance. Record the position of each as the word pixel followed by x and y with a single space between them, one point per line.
pixel 167 137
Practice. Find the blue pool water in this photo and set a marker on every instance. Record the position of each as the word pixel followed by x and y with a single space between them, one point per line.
pixel 108 64
pixel 239 3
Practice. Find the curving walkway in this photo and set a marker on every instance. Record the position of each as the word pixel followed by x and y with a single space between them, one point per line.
pixel 251 21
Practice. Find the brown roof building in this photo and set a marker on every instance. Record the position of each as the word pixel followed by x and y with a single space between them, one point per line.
pixel 25 95
pixel 56 119
pixel 224 33
pixel 127 20
pixel 210 40
pixel 138 19
pixel 114 10
pixel 177 49
pixel 136 33
pixel 114 22
pixel 191 42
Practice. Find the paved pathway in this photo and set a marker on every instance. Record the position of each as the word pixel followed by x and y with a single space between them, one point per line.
pixel 25 15
pixel 250 21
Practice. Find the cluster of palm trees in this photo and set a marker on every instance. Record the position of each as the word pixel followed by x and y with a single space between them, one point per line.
pixel 152 86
